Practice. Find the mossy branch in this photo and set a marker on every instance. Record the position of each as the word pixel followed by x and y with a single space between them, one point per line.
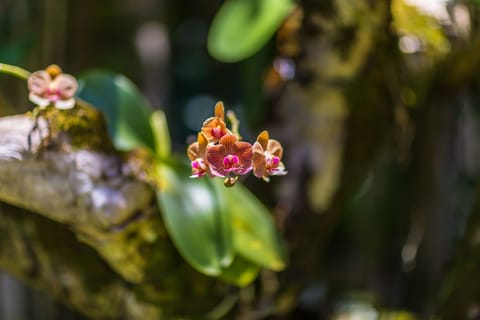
pixel 91 229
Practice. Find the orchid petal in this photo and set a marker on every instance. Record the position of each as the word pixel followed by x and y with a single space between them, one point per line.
pixel 202 144
pixel 258 160
pixel 280 171
pixel 220 111
pixel 198 149
pixel 219 172
pixel 258 149
pixel 65 104
pixel 215 155
pixel 39 101
pixel 193 151
pixel 244 152
pixel 263 138
pixel 209 122
pixel 275 148
pixel 38 82
pixel 229 142
pixel 242 170
pixel 197 175
pixel 66 84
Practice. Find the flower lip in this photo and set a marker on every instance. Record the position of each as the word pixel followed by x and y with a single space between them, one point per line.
pixel 217 132
pixel 199 168
pixel 230 162
pixel 275 161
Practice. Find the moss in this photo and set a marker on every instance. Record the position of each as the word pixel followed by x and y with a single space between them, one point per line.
pixel 122 249
pixel 46 255
pixel 142 165
pixel 81 127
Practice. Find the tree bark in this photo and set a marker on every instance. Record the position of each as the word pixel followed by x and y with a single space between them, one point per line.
pixel 79 224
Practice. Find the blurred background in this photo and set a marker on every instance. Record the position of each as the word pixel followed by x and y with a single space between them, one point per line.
pixel 377 104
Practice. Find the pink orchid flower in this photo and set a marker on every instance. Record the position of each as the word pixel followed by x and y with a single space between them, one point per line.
pixel 218 152
pixel 229 157
pixel 51 86
pixel 267 156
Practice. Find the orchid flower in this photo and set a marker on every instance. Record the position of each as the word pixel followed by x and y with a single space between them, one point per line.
pixel 196 153
pixel 214 128
pixel 219 152
pixel 267 155
pixel 229 157
pixel 51 86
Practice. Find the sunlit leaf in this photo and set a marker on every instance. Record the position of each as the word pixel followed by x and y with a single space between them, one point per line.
pixel 196 219
pixel 255 236
pixel 242 27
pixel 159 125
pixel 127 111
pixel 241 272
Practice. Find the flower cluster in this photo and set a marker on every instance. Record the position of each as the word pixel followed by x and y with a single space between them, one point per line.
pixel 219 152
pixel 51 86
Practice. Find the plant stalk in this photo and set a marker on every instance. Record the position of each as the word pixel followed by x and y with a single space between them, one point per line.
pixel 14 71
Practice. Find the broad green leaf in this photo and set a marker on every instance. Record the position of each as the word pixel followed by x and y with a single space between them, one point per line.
pixel 196 219
pixel 163 145
pixel 255 236
pixel 241 272
pixel 242 27
pixel 127 111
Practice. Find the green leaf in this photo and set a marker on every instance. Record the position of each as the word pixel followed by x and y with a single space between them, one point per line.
pixel 241 272
pixel 242 27
pixel 126 109
pixel 163 145
pixel 255 236
pixel 196 219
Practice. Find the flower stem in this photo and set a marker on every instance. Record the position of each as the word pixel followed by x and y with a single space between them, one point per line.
pixel 14 71
pixel 232 117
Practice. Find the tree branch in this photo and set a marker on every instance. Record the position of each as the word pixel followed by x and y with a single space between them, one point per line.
pixel 87 196
pixel 84 188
